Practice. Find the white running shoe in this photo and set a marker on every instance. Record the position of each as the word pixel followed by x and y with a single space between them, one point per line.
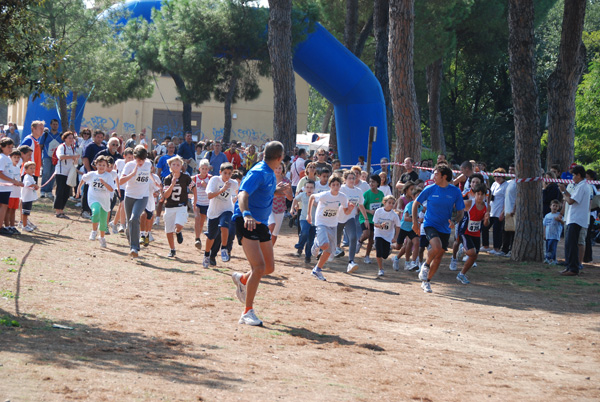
pixel 206 261
pixel 453 265
pixel 396 263
pixel 113 228
pixel 465 258
pixel 462 278
pixel 240 288
pixel 224 255
pixel 318 273
pixel 406 265
pixel 474 265
pixel 358 246
pixel 413 266
pixel 367 260
pixel 28 228
pixel 380 273
pixel 339 252
pixel 352 267
pixel 93 235
pixel 157 221
pixel 314 250
pixel 426 286
pixel 86 215
pixel 484 250
pixel 31 224
pixel 150 237
pixel 121 228
pixel 461 252
pixel 250 319
pixel 102 242
pixel 424 272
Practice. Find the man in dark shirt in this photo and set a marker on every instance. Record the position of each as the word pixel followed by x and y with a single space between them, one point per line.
pixel 322 161
pixel 111 150
pixel 187 150
pixel 408 175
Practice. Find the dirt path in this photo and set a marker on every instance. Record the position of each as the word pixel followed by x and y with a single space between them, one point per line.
pixel 158 329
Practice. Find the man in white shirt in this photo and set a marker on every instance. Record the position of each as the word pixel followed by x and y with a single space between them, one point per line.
pixel 297 168
pixel 578 219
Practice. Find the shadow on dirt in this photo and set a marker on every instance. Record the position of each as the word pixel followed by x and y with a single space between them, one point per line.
pixel 110 350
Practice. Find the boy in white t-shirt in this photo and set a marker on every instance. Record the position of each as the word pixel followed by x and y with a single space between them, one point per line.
pixel 15 194
pixel 101 187
pixel 6 182
pixel 28 195
pixel 221 190
pixel 326 220
pixel 387 226
pixel 201 200
pixel 146 221
pixel 307 231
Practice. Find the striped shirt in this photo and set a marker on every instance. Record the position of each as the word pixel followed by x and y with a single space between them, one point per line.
pixel 201 194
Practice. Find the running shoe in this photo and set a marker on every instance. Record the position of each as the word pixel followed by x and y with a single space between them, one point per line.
pixel 461 252
pixel 14 230
pixel 462 278
pixel 485 250
pixel 500 254
pixel 113 228
pixel 314 249
pixel 426 286
pixel 465 258
pixel 358 246
pixel 396 263
pixel 121 228
pixel 93 235
pixel 367 260
pixel 157 221
pixel 240 288
pixel 339 252
pixel 102 242
pixel 250 319
pixel 474 265
pixel 318 273
pixel 352 267
pixel 179 237
pixel 224 255
pixel 146 241
pixel 5 232
pixel 307 259
pixel 298 251
pixel 406 265
pixel 171 253
pixel 424 272
pixel 546 261
pixel 28 229
pixel 414 265
pixel 453 264
pixel 86 215
pixel 198 243
pixel 206 261
pixel 380 273
pixel 213 262
pixel 150 237
pixel 133 253
pixel 31 224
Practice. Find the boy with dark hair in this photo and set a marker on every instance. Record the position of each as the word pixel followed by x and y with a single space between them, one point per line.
pixel 373 199
pixel 469 228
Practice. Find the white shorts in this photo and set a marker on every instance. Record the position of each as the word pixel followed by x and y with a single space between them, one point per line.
pixel 326 235
pixel 175 216
pixel 276 219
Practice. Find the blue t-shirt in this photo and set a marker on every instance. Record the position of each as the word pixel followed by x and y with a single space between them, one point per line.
pixel 45 141
pixel 91 150
pixel 440 202
pixel 186 151
pixel 406 225
pixel 260 184
pixel 216 161
pixel 164 166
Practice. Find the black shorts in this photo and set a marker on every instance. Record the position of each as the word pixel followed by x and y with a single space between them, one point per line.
pixel 470 242
pixel 261 231
pixel 121 194
pixel 403 234
pixel 149 214
pixel 203 209
pixel 26 207
pixel 423 241
pixel 382 248
pixel 4 197
pixel 432 232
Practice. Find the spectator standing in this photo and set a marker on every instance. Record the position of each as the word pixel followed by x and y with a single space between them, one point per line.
pixel 67 157
pixel 550 192
pixel 187 151
pixel 510 201
pixel 13 133
pixel 497 211
pixel 233 156
pixel 216 158
pixel 386 168
pixel 131 142
pixel 577 219
pixel 322 161
pixel 408 175
pixel 297 168
pixel 32 141
pixel 49 142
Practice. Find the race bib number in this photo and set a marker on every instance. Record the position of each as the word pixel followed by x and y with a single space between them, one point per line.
pixel 375 205
pixel 143 177
pixel 97 185
pixel 329 213
pixel 224 194
pixel 474 226
pixel 385 225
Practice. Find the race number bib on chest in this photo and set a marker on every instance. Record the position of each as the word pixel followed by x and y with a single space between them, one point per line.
pixel 474 226
pixel 143 177
pixel 385 225
pixel 329 213
pixel 375 205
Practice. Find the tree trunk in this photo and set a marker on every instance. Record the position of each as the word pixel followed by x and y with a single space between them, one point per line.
pixel 327 118
pixel 186 115
pixel 434 92
pixel 351 24
pixel 365 32
pixel 528 241
pixel 333 135
pixel 228 102
pixel 380 27
pixel 64 113
pixel 562 87
pixel 282 71
pixel 73 112
pixel 402 84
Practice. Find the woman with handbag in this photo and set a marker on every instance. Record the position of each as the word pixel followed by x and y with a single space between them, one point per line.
pixel 66 156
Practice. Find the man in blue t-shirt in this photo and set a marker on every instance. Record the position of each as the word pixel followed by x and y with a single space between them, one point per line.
pixel 251 216
pixel 162 167
pixel 49 142
pixel 441 197
pixel 187 150
pixel 216 158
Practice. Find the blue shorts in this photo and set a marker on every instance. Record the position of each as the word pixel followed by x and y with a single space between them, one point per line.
pixel 4 197
pixel 221 222
pixel 203 209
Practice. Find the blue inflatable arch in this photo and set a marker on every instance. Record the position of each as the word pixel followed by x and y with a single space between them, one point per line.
pixel 324 63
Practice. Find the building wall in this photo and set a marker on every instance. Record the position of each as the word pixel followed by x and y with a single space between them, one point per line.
pixel 253 122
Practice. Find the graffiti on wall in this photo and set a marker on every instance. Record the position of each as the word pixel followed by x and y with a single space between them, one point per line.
pixel 245 135
pixel 128 128
pixel 100 123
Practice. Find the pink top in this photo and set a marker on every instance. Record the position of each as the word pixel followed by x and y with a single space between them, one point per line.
pixel 279 205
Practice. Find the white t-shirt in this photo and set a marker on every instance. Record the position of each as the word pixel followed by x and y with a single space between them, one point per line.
pixel 498 192
pixel 5 164
pixel 97 192
pixel 64 167
pixel 138 186
pixel 119 165
pixel 328 208
pixel 297 168
pixel 579 212
pixel 319 188
pixel 385 189
pixel 364 186
pixel 15 173
pixel 389 220
pixel 151 206
pixel 28 194
pixel 355 196
pixel 222 202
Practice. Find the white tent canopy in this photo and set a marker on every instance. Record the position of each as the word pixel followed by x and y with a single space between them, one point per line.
pixel 304 141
